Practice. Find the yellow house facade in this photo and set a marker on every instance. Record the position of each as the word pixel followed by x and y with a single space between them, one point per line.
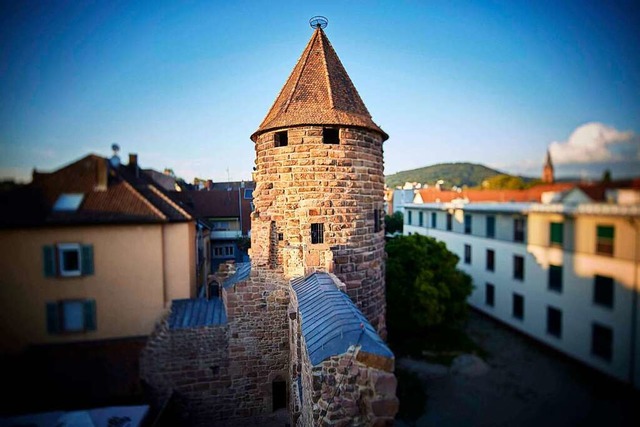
pixel 107 268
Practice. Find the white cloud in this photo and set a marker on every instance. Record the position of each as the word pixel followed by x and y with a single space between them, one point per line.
pixel 596 142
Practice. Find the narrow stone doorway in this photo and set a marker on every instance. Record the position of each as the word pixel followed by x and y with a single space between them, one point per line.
pixel 279 394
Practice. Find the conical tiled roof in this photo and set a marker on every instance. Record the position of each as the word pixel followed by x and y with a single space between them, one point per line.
pixel 318 92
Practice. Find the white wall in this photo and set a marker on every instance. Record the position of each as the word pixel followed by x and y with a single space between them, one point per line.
pixel 575 301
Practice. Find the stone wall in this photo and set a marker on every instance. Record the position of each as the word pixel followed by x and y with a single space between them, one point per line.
pixel 258 339
pixel 350 389
pixel 340 186
pixel 194 364
pixel 225 373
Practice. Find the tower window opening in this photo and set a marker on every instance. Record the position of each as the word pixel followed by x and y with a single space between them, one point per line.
pixel 331 136
pixel 317 233
pixel 281 139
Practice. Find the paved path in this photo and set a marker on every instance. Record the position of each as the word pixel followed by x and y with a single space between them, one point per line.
pixel 526 385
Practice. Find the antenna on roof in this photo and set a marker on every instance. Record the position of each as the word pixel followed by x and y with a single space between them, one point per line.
pixel 115 159
pixel 318 22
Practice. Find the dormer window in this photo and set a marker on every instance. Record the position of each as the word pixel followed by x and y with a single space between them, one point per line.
pixel 281 139
pixel 331 136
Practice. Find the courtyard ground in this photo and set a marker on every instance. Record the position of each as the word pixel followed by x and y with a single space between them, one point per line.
pixel 520 383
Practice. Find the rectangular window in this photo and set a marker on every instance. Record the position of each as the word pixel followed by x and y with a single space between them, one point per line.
pixel 280 237
pixel 491 226
pixel 554 322
pixel 449 222
pixel 248 193
pixel 467 224
pixel 605 238
pixel 281 139
pixel 489 294
pixel 331 136
pixel 223 251
pixel 518 267
pixel 556 231
pixel 317 233
pixel 71 316
pixel 555 278
pixel 601 341
pixel 491 259
pixel 603 291
pixel 67 260
pixel 420 219
pixel 518 306
pixel 518 229
pixel 433 220
pixel 409 217
pixel 467 254
pixel 377 222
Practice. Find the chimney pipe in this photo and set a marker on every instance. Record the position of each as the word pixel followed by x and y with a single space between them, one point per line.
pixel 133 159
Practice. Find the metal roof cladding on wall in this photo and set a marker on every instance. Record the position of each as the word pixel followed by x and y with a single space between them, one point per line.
pixel 331 322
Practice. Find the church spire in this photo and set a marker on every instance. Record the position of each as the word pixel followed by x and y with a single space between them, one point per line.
pixel 318 92
pixel 547 171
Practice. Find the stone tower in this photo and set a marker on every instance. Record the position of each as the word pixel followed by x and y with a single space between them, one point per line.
pixel 547 171
pixel 320 183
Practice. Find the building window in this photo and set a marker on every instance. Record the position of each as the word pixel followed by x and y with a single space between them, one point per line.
pixel 420 219
pixel 377 220
pixel 518 229
pixel 248 193
pixel 604 239
pixel 467 224
pixel 603 291
pixel 68 260
pixel 467 254
pixel 491 226
pixel 433 219
pixel 449 222
pixel 223 251
pixel 489 294
pixel 281 139
pixel 409 217
pixel 601 341
pixel 280 237
pixel 518 267
pixel 554 322
pixel 71 316
pixel 556 233
pixel 518 306
pixel 317 233
pixel 555 278
pixel 491 259
pixel 331 136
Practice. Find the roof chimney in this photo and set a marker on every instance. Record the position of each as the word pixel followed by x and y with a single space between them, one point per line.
pixel 133 159
pixel 101 175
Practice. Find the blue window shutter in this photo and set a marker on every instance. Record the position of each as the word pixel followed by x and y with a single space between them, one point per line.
pixel 87 260
pixel 90 315
pixel 53 318
pixel 49 261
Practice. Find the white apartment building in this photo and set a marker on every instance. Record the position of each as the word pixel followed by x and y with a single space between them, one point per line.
pixel 564 274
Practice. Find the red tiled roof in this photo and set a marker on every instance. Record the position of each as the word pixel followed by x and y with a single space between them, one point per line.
pixel 318 92
pixel 533 194
pixel 111 195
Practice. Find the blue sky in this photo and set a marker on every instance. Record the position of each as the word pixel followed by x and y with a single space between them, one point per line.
pixel 184 84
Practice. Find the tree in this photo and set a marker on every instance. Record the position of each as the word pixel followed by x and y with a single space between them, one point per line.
pixel 503 182
pixel 424 287
pixel 393 223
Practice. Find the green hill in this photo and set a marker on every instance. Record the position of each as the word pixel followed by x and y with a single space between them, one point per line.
pixel 458 174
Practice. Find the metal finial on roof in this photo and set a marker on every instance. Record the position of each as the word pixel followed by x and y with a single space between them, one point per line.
pixel 318 22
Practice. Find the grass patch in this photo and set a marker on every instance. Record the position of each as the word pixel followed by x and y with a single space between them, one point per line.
pixel 411 394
